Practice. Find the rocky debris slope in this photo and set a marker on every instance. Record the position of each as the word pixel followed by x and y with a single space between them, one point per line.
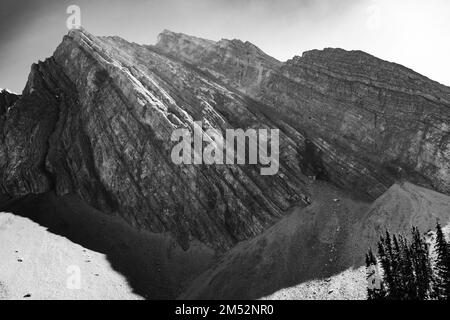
pixel 400 208
pixel 350 284
pixel 325 242
pixel 49 266
pixel 369 121
pixel 52 235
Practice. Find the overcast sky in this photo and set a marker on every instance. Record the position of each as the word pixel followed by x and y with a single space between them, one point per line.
pixel 415 33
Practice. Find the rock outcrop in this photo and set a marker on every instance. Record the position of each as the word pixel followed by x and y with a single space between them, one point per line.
pixel 371 122
pixel 96 119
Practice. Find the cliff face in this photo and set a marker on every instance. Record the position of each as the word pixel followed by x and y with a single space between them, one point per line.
pixel 96 120
pixel 383 121
pixel 371 122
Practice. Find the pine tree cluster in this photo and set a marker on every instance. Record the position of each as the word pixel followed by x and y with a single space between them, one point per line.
pixel 406 270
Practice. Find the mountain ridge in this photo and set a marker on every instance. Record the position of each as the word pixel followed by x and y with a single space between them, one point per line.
pixel 312 77
pixel 95 119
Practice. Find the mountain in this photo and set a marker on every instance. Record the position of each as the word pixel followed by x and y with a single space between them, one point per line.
pixel 372 122
pixel 96 120
pixel 361 139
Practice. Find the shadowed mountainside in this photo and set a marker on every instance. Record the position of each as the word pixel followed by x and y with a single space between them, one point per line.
pixel 86 151
pixel 155 266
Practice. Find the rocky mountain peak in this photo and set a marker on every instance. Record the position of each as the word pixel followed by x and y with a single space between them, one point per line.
pixel 96 120
pixel 362 99
pixel 188 47
pixel 169 38
pixel 366 67
pixel 198 50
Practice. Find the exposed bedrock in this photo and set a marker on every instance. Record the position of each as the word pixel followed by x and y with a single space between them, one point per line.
pixel 96 119
pixel 373 122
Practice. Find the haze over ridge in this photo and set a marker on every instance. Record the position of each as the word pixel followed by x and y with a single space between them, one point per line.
pixel 411 33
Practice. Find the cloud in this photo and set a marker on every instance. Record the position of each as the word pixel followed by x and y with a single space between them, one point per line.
pixel 409 32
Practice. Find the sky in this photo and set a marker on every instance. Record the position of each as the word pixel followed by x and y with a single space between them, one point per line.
pixel 414 33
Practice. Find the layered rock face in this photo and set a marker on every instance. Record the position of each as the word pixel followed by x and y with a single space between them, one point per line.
pixel 240 64
pixel 370 122
pixel 96 119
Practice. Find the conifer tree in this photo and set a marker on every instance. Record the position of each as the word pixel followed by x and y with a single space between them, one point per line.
pixel 375 290
pixel 399 290
pixel 442 266
pixel 385 265
pixel 370 275
pixel 408 276
pixel 408 270
pixel 422 265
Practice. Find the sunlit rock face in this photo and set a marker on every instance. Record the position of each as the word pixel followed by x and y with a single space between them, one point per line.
pixel 372 122
pixel 233 62
pixel 96 119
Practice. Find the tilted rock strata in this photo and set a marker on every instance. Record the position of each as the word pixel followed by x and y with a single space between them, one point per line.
pixel 96 120
pixel 371 122
pixel 97 117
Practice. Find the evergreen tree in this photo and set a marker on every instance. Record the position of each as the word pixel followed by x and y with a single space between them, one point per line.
pixel 385 255
pixel 408 275
pixel 422 265
pixel 397 274
pixel 408 270
pixel 374 282
pixel 370 275
pixel 442 266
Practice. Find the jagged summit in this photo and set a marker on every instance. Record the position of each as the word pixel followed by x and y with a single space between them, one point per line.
pixel 167 36
pixel 194 48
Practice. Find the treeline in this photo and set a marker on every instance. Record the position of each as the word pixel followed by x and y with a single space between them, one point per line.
pixel 408 270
